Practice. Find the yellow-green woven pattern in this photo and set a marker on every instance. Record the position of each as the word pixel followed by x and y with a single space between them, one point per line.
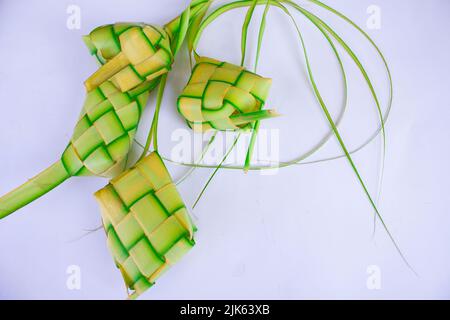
pixel 217 91
pixel 105 131
pixel 147 224
pixel 132 54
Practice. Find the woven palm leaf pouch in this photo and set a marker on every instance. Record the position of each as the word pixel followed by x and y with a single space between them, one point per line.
pixel 147 225
pixel 222 96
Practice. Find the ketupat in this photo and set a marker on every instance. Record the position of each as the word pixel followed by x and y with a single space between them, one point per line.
pixel 133 54
pixel 147 224
pixel 223 96
pixel 133 58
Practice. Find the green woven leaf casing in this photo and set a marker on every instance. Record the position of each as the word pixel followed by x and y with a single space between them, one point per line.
pixel 219 91
pixel 131 54
pixel 134 56
pixel 104 133
pixel 147 225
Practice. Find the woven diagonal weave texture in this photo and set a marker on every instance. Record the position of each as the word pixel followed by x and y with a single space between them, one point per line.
pixel 217 91
pixel 104 133
pixel 147 224
pixel 133 57
pixel 131 53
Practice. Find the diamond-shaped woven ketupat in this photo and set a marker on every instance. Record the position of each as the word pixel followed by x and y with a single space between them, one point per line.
pixel 217 92
pixel 147 224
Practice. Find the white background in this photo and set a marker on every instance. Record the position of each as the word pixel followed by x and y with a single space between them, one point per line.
pixel 303 233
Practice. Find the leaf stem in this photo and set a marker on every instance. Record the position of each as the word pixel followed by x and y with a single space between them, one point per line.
pixel 153 133
pixel 33 189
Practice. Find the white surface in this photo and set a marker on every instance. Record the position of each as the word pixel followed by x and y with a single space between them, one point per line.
pixel 303 233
